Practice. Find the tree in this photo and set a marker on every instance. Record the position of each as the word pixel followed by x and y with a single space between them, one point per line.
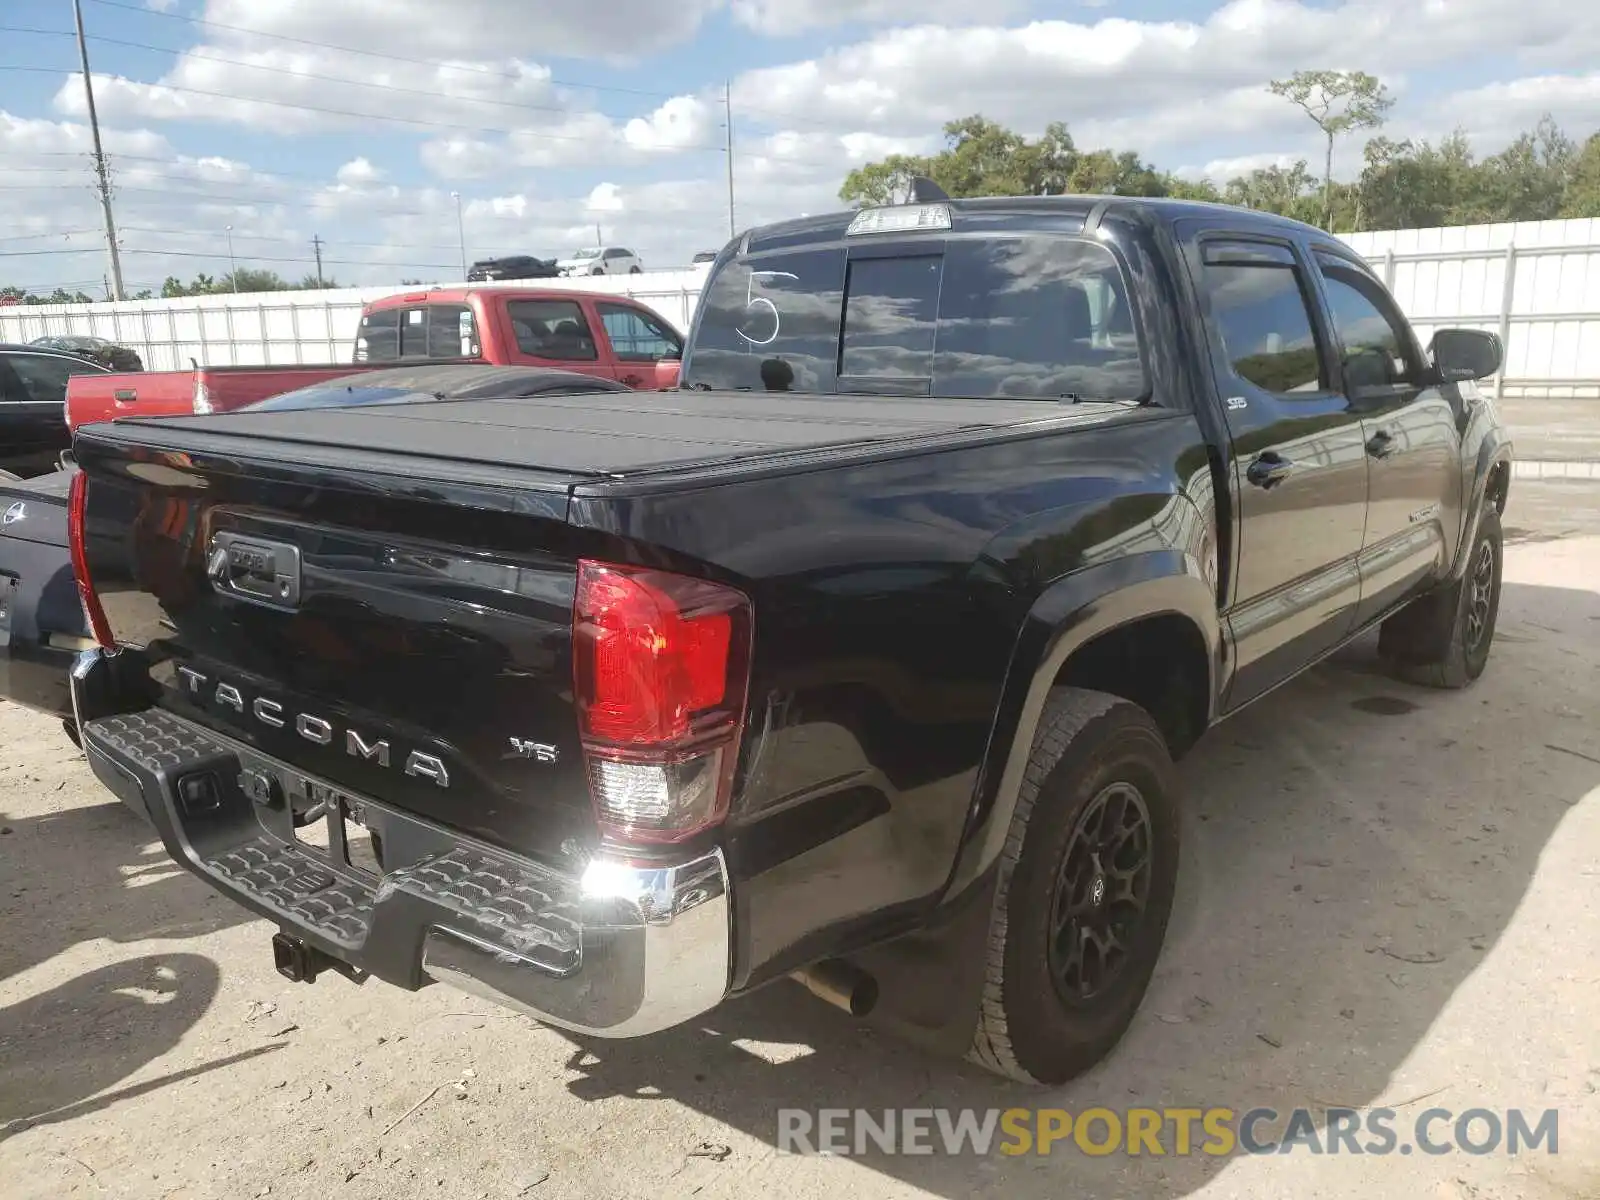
pixel 980 158
pixel 249 279
pixel 1527 181
pixel 1583 186
pixel 1288 191
pixel 886 182
pixel 1337 102
pixel 17 295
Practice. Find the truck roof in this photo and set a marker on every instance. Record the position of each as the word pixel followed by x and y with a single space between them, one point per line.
pixel 515 288
pixel 1067 213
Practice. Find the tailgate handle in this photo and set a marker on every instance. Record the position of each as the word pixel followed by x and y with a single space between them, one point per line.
pixel 125 395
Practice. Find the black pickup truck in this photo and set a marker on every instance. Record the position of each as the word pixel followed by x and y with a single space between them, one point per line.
pixel 864 658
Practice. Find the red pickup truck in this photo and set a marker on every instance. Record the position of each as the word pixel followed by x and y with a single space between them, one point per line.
pixel 595 334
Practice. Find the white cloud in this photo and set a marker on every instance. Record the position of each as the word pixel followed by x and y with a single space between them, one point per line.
pixel 605 198
pixel 683 122
pixel 358 170
pixel 302 90
pixel 784 17
pixel 904 79
pixel 543 161
pixel 1492 115
pixel 472 29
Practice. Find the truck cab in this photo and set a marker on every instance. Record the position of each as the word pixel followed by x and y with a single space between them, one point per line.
pixel 613 337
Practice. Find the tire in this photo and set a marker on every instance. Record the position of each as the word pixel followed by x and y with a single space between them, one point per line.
pixel 635 270
pixel 1035 1024
pixel 70 728
pixel 597 271
pixel 1442 639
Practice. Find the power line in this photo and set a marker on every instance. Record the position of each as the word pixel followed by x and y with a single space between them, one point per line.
pixel 41 253
pixel 474 68
pixel 296 238
pixel 339 79
pixel 337 262
pixel 32 237
pixel 360 116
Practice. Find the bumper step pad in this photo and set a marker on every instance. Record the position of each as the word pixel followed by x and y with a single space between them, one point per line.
pixel 612 946
pixel 509 906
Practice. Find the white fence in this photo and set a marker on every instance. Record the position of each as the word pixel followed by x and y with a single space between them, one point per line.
pixel 279 328
pixel 1536 283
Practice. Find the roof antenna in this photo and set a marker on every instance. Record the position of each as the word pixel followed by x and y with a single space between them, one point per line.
pixel 926 191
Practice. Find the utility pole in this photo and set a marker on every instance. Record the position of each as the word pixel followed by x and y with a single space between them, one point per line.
pixel 233 263
pixel 727 124
pixel 316 245
pixel 101 174
pixel 461 233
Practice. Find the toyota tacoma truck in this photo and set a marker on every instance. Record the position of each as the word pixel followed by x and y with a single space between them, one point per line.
pixel 863 658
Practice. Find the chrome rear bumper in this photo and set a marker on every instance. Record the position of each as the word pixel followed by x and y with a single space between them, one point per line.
pixel 615 949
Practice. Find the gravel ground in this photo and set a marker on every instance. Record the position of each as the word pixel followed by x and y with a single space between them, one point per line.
pixel 1389 897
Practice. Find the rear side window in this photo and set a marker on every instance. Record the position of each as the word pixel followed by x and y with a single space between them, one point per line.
pixel 1037 318
pixel 636 337
pixel 1264 326
pixel 1032 317
pixel 44 376
pixel 554 329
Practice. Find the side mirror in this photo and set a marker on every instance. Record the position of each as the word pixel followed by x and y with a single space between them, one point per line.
pixel 1462 354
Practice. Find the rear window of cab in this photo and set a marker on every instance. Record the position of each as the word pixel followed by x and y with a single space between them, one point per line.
pixel 1044 317
pixel 417 331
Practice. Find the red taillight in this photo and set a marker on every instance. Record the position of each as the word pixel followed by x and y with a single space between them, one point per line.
pixel 77 498
pixel 661 667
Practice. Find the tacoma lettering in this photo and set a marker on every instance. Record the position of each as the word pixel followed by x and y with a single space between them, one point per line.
pixel 311 727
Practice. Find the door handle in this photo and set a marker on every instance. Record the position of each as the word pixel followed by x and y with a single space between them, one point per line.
pixel 1269 469
pixel 1381 444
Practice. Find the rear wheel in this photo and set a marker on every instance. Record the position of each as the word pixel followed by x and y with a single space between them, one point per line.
pixel 1085 890
pixel 636 270
pixel 1443 639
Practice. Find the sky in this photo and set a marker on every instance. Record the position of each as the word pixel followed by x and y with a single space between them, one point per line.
pixel 367 124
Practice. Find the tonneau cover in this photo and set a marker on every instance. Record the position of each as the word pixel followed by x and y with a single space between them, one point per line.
pixel 592 434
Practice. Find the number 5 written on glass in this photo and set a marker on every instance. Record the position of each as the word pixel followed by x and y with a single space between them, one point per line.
pixel 752 301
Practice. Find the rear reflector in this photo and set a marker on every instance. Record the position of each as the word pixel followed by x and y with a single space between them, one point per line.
pixel 661 666
pixel 93 613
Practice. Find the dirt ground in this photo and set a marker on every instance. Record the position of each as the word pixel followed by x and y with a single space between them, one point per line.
pixel 1389 897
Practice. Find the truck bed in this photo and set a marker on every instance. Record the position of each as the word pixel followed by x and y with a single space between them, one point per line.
pixel 597 435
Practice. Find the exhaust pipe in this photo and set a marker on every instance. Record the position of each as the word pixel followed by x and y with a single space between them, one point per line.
pixel 840 984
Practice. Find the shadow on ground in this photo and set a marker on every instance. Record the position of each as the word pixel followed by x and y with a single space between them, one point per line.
pixel 1353 849
pixel 62 1048
pixel 94 872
